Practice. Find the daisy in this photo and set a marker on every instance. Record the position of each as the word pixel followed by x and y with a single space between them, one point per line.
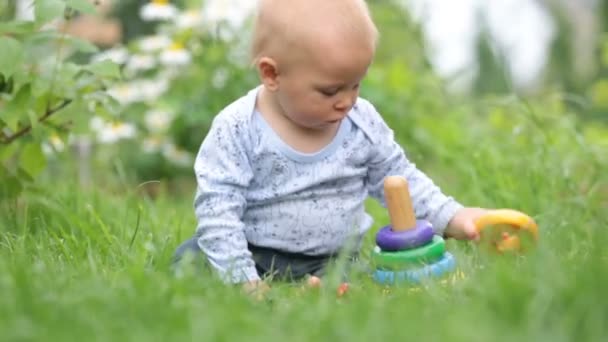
pixel 96 123
pixel 140 62
pixel 175 55
pixel 232 12
pixel 118 55
pixel 158 10
pixel 189 19
pixel 158 120
pixel 52 145
pixel 151 144
pixel 116 131
pixel 125 93
pixel 154 43
pixel 150 90
pixel 176 156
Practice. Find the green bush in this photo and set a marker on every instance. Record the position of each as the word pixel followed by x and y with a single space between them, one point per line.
pixel 43 93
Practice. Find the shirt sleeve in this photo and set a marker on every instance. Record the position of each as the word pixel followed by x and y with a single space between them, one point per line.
pixel 389 159
pixel 223 174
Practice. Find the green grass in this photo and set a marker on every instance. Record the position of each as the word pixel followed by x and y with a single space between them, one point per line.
pixel 93 264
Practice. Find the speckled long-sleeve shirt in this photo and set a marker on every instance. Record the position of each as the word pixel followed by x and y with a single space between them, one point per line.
pixel 254 188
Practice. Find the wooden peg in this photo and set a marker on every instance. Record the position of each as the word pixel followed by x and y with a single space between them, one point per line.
pixel 399 203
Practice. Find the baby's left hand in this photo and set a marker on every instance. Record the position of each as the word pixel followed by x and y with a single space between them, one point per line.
pixel 462 225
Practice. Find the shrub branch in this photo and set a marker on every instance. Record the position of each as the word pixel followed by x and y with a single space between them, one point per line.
pixel 7 139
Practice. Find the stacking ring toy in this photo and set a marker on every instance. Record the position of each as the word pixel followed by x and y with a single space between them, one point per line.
pixel 390 240
pixel 414 257
pixel 517 221
pixel 407 250
pixel 438 269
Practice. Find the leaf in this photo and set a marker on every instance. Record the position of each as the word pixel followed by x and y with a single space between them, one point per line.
pixel 65 81
pixel 41 86
pixel 17 27
pixel 7 151
pixel 11 55
pixel 17 108
pixel 77 114
pixel 32 159
pixel 47 10
pixel 24 177
pixel 105 68
pixel 84 6
pixel 47 37
pixel 81 45
pixel 36 131
pixel 43 37
pixel 10 186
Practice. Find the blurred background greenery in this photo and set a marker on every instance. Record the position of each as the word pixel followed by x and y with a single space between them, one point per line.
pixel 183 61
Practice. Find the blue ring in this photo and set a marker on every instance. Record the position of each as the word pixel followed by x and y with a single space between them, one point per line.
pixel 445 265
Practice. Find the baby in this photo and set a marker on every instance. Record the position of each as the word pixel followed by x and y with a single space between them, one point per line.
pixel 284 171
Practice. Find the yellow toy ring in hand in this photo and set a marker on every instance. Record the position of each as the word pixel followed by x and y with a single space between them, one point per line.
pixel 515 220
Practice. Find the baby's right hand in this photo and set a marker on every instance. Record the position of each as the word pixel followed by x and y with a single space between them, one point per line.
pixel 257 289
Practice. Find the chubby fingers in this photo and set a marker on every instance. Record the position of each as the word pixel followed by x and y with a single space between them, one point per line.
pixel 315 282
pixel 471 231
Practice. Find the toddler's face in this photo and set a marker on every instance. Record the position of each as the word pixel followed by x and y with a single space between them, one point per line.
pixel 320 91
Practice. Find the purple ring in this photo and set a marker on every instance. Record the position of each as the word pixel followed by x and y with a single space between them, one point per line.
pixel 389 240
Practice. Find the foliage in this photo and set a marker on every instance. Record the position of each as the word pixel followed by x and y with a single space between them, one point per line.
pixel 598 90
pixel 43 93
pixel 176 81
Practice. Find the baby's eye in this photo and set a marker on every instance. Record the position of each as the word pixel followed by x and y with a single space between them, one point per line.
pixel 328 92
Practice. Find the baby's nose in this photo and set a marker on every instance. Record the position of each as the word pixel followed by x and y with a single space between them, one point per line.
pixel 345 103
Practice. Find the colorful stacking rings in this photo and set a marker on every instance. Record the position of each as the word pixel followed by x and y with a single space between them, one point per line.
pixel 389 240
pixel 424 254
pixel 445 265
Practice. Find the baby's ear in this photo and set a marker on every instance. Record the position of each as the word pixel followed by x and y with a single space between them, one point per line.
pixel 268 72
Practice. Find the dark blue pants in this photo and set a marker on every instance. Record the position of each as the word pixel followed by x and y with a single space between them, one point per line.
pixel 270 262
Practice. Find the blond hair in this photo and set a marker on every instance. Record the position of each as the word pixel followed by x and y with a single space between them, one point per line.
pixel 289 25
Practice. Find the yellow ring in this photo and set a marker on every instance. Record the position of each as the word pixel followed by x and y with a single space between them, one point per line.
pixel 511 217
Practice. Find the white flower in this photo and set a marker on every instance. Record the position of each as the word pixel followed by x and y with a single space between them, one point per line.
pixel 158 120
pixel 54 144
pixel 232 12
pixel 118 55
pixel 176 55
pixel 57 143
pixel 151 90
pixel 139 90
pixel 141 62
pixel 115 131
pixel 158 10
pixel 176 156
pixel 151 144
pixel 125 93
pixel 154 43
pixel 189 19
pixel 96 123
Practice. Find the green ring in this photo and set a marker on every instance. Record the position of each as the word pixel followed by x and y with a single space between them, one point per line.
pixel 428 253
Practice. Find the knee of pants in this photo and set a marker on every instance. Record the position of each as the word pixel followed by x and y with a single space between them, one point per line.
pixel 189 246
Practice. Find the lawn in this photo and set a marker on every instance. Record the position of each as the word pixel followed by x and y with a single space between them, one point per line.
pixel 93 263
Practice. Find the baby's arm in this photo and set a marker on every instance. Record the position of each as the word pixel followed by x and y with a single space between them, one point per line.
pixel 389 159
pixel 223 174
